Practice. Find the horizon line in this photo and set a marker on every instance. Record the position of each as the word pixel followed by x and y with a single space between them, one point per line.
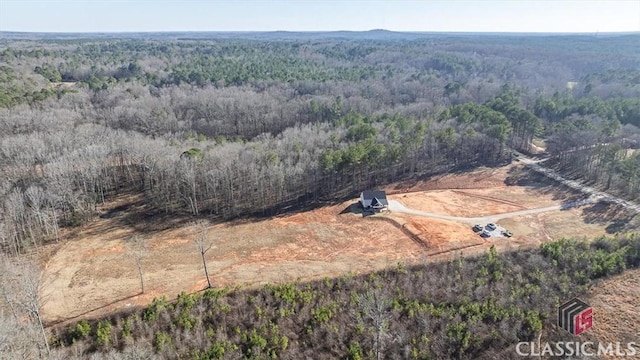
pixel 124 32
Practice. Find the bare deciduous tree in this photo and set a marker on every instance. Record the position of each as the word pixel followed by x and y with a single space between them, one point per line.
pixel 204 244
pixel 18 339
pixel 137 249
pixel 374 311
pixel 23 291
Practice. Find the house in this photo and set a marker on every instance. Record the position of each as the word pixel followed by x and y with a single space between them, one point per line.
pixel 373 200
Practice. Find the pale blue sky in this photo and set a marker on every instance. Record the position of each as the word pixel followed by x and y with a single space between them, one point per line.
pixel 311 15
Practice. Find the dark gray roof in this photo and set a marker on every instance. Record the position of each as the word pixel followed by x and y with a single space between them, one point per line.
pixel 373 198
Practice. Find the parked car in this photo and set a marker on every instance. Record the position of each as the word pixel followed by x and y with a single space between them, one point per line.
pixel 507 233
pixel 491 226
pixel 485 233
pixel 477 228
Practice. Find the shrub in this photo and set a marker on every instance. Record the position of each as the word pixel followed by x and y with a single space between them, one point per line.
pixel 355 351
pixel 161 340
pixel 213 295
pixel 81 331
pixel 157 305
pixel 186 301
pixel 103 333
pixel 459 337
pixel 324 313
pixel 534 321
pixel 216 351
pixel 185 320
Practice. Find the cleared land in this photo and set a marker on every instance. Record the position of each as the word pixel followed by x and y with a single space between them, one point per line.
pixel 90 272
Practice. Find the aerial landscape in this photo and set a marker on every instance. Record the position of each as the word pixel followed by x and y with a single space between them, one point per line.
pixel 292 194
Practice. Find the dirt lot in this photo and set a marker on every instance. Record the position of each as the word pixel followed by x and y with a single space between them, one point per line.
pixel 90 273
pixel 438 237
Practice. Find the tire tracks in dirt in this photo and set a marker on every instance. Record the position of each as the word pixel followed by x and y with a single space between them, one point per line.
pixel 489 198
pixel 419 240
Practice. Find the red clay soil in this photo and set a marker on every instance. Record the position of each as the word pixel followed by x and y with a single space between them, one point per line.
pixel 91 274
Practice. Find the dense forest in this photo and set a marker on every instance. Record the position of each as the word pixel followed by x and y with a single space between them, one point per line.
pixel 250 126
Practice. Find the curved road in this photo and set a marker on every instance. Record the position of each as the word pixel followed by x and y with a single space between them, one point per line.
pixel 594 196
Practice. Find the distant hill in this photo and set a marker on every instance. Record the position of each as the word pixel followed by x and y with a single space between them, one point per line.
pixel 376 34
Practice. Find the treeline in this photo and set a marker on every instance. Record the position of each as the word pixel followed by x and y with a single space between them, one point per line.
pixel 467 308
pixel 594 139
pixel 58 174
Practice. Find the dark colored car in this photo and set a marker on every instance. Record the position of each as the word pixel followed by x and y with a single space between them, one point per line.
pixel 507 233
pixel 477 228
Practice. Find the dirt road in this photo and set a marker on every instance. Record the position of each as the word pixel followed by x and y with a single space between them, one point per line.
pixel 595 194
